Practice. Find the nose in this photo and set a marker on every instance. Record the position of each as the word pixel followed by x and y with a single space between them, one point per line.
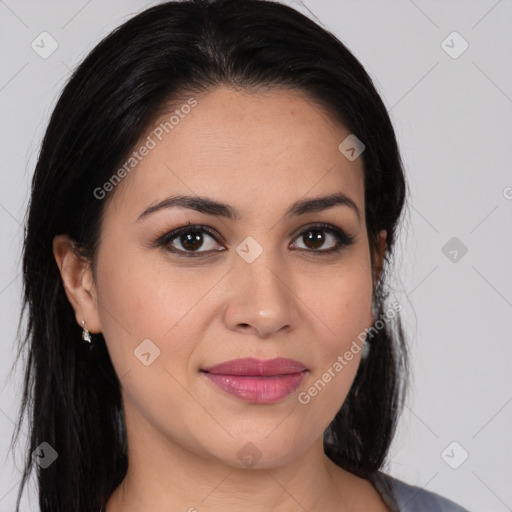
pixel 262 301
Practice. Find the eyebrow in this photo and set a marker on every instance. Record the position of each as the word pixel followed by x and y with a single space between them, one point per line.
pixel 218 209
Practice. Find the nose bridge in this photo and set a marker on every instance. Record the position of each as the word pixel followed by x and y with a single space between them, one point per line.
pixel 262 298
pixel 264 280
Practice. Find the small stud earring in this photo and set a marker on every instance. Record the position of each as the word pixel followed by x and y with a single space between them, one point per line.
pixel 86 335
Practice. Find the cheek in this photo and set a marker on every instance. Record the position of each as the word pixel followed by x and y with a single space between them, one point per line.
pixel 142 294
pixel 140 300
pixel 341 307
pixel 341 300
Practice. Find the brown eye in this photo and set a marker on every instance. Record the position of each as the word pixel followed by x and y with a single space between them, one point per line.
pixel 191 241
pixel 315 237
pixel 188 240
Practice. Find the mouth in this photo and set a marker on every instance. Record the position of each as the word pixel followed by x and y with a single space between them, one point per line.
pixel 257 381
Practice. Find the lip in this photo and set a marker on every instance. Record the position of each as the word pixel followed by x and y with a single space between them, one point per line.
pixel 256 380
pixel 252 367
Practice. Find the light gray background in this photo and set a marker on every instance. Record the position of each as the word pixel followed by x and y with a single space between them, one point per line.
pixel 453 120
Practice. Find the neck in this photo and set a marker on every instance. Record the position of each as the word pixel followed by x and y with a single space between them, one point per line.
pixel 167 475
pixel 179 480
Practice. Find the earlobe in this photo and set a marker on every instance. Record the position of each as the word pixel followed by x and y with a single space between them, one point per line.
pixel 78 283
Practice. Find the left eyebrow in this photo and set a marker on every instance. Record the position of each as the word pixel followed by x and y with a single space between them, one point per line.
pixel 211 207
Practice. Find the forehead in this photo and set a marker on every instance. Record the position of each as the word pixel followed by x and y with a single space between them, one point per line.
pixel 254 150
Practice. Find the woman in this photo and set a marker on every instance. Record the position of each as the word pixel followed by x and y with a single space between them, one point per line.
pixel 213 211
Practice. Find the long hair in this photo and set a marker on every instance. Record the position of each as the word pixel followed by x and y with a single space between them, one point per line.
pixel 71 396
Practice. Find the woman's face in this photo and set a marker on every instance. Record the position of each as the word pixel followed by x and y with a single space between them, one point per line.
pixel 257 286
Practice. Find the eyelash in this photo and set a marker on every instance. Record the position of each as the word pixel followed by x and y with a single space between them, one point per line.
pixel 343 240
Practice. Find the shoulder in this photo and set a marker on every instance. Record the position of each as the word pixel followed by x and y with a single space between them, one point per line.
pixel 411 498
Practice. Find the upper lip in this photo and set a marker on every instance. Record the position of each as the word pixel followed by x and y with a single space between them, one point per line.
pixel 257 367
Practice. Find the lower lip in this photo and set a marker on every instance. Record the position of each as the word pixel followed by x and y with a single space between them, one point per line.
pixel 258 390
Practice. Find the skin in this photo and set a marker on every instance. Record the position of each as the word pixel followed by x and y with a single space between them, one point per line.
pixel 259 153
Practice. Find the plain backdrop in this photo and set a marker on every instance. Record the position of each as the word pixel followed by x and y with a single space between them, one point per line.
pixel 444 70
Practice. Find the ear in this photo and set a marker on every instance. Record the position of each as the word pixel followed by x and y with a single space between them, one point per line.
pixel 378 261
pixel 78 282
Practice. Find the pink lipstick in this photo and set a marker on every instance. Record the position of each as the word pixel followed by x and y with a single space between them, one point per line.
pixel 256 380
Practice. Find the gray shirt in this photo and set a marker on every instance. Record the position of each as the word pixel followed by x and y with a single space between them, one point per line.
pixel 402 497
